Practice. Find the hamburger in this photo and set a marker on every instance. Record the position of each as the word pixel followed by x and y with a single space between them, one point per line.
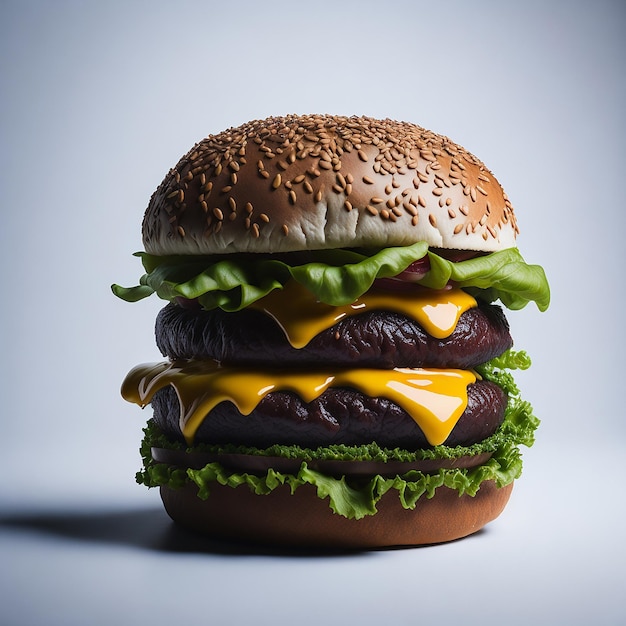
pixel 337 363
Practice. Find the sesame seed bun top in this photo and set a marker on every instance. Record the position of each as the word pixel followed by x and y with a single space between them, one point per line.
pixel 319 181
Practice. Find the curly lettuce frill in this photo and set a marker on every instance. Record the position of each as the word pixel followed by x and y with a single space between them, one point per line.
pixel 355 499
pixel 336 277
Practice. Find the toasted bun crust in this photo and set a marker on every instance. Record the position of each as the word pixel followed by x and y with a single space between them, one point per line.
pixel 317 182
pixel 304 520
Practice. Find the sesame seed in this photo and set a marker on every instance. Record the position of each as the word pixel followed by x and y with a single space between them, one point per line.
pixel 255 230
pixel 232 203
pixel 276 182
pixel 367 180
pixel 376 200
pixel 292 196
pixel 421 201
pixel 264 217
pixel 433 220
pixel 285 229
pixel 370 209
pixel 298 179
pixel 307 187
pixel 362 156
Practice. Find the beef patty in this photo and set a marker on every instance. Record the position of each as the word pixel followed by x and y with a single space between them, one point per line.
pixel 372 339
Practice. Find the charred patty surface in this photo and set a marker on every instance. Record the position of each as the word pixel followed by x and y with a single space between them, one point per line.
pixel 373 339
pixel 337 416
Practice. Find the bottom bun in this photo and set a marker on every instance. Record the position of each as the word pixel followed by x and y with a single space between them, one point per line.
pixel 304 520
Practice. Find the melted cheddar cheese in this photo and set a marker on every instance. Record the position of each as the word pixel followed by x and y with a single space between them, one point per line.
pixel 435 399
pixel 302 317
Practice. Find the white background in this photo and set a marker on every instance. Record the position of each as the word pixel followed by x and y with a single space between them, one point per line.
pixel 99 99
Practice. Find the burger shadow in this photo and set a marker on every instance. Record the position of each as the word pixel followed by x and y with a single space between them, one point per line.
pixel 147 529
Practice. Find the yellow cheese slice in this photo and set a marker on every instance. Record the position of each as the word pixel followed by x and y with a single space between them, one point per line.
pixel 302 317
pixel 435 399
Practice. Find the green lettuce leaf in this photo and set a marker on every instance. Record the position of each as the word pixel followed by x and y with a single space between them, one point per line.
pixel 336 277
pixel 502 275
pixel 356 499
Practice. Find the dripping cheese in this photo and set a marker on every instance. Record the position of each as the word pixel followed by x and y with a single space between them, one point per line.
pixel 434 398
pixel 302 317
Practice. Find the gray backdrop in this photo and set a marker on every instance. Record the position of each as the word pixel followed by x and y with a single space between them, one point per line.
pixel 99 99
